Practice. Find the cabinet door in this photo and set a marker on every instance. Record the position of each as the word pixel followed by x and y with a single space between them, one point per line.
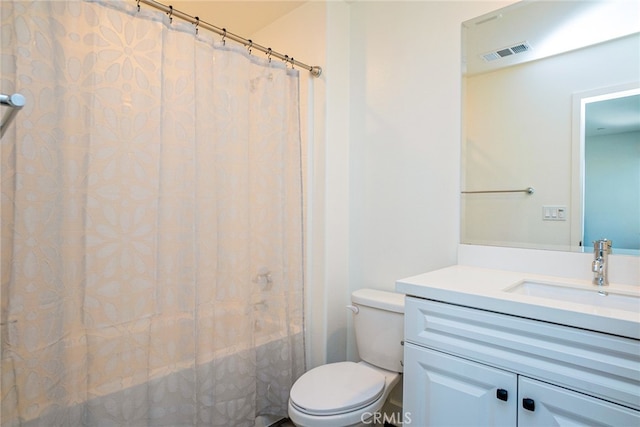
pixel 444 390
pixel 542 404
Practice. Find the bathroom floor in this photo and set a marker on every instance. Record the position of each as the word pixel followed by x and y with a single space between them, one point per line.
pixel 287 423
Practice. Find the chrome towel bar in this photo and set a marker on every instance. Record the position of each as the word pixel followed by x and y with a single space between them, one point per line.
pixel 528 190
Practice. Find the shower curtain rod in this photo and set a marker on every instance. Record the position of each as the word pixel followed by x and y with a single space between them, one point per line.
pixel 15 102
pixel 169 10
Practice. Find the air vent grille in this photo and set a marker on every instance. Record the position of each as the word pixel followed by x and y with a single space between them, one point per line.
pixel 507 51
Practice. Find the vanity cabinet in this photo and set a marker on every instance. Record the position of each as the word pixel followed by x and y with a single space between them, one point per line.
pixel 442 390
pixel 470 367
pixel 556 406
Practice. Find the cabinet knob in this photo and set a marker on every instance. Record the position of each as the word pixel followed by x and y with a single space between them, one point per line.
pixel 502 394
pixel 529 404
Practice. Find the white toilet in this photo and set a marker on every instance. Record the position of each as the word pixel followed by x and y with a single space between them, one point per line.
pixel 346 393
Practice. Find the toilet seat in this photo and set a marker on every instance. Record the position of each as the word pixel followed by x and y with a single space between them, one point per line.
pixel 337 388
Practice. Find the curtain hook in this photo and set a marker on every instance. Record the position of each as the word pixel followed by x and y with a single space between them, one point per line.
pixel 293 64
pixel 170 13
pixel 269 54
pixel 138 2
pixel 196 23
pixel 250 46
pixel 224 36
pixel 286 60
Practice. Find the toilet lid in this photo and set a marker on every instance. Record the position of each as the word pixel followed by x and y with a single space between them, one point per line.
pixel 337 388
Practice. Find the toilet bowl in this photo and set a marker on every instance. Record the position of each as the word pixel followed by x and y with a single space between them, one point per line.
pixel 340 394
pixel 348 393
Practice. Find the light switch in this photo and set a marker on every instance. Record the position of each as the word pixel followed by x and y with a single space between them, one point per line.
pixel 561 213
pixel 554 213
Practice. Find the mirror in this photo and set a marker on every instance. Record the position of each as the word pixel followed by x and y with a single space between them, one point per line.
pixel 608 150
pixel 531 71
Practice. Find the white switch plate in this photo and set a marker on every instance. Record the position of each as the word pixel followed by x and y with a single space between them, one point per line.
pixel 554 213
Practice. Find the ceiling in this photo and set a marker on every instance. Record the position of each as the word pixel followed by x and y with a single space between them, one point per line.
pixel 242 18
pixel 616 115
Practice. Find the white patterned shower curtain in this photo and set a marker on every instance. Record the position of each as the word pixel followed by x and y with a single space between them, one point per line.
pixel 152 266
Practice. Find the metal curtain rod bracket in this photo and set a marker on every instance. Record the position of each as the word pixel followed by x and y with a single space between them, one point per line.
pixel 528 190
pixel 315 70
pixel 15 102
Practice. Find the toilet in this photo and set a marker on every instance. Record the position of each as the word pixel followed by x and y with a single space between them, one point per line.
pixel 347 393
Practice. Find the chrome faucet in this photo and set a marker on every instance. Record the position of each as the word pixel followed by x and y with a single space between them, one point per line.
pixel 600 264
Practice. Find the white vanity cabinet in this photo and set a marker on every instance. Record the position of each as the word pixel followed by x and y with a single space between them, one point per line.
pixel 443 390
pixel 550 405
pixel 469 367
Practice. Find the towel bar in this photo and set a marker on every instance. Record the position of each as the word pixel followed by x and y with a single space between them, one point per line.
pixel 528 190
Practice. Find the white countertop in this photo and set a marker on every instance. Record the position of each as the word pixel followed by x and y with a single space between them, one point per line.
pixel 484 289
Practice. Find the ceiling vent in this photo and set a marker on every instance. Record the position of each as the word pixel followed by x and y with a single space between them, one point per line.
pixel 507 51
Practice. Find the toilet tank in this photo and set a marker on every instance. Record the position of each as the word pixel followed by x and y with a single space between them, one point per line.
pixel 379 327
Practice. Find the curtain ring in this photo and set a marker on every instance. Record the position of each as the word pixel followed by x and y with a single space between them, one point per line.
pixel 224 36
pixel 250 46
pixel 196 23
pixel 170 13
pixel 288 61
pixel 292 63
pixel 269 54
pixel 138 2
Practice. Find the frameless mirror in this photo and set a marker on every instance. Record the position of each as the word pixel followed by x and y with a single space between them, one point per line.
pixel 539 79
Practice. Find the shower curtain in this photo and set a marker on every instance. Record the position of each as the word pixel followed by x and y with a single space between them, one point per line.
pixel 152 264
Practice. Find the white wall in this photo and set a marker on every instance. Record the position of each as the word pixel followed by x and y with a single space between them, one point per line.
pixel 384 156
pixel 404 164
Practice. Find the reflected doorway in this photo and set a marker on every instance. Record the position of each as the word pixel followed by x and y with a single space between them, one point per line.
pixel 610 164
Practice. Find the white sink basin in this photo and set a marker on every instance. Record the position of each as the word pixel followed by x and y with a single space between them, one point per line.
pixel 578 295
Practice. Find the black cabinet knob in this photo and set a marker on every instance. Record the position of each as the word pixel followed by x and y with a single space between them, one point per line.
pixel 529 404
pixel 502 394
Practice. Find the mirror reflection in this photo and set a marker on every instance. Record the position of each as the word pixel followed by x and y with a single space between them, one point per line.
pixel 612 169
pixel 534 76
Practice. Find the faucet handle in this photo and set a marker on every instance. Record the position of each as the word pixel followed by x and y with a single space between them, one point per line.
pixel 596 265
pixel 602 246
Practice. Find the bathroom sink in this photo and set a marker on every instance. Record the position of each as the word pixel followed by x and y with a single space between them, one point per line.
pixel 603 298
